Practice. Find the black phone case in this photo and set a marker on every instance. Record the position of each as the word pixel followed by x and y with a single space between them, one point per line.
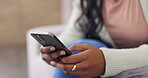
pixel 50 40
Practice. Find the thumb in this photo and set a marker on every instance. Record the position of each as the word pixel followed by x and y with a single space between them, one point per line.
pixel 80 47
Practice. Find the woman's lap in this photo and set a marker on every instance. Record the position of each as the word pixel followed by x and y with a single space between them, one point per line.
pixel 60 74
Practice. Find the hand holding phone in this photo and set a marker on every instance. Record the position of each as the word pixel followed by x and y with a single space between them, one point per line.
pixel 49 39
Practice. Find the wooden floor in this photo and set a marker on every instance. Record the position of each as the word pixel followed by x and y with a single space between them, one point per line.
pixel 13 62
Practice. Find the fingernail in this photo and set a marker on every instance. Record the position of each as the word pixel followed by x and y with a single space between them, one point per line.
pixel 52 48
pixel 62 52
pixel 53 63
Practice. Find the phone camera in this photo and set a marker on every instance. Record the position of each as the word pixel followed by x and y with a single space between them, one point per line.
pixel 39 38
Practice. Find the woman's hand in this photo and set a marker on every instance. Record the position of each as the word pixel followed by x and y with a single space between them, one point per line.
pixel 89 63
pixel 49 56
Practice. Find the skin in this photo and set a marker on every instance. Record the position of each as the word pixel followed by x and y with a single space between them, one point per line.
pixel 90 62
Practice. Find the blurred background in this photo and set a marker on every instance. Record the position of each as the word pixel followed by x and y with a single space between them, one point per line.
pixel 16 18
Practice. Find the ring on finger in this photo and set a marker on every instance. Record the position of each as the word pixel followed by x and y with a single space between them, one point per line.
pixel 74 68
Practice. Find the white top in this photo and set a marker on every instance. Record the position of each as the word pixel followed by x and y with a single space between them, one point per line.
pixel 117 60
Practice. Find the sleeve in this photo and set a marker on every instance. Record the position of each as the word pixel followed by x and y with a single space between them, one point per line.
pixel 71 32
pixel 118 60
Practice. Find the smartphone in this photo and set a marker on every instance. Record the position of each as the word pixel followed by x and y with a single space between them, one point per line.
pixel 49 39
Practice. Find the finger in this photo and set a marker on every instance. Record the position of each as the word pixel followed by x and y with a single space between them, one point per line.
pixel 47 49
pixel 46 58
pixel 80 47
pixel 75 58
pixel 67 67
pixel 82 73
pixel 56 54
pixel 74 72
pixel 53 63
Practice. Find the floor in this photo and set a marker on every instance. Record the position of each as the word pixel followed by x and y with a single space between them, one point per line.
pixel 13 62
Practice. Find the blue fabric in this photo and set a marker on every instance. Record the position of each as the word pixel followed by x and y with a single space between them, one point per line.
pixel 60 74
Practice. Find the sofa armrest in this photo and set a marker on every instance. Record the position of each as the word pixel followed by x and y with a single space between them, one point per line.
pixel 37 68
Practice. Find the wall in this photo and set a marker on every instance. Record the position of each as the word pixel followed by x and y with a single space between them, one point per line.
pixel 17 16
